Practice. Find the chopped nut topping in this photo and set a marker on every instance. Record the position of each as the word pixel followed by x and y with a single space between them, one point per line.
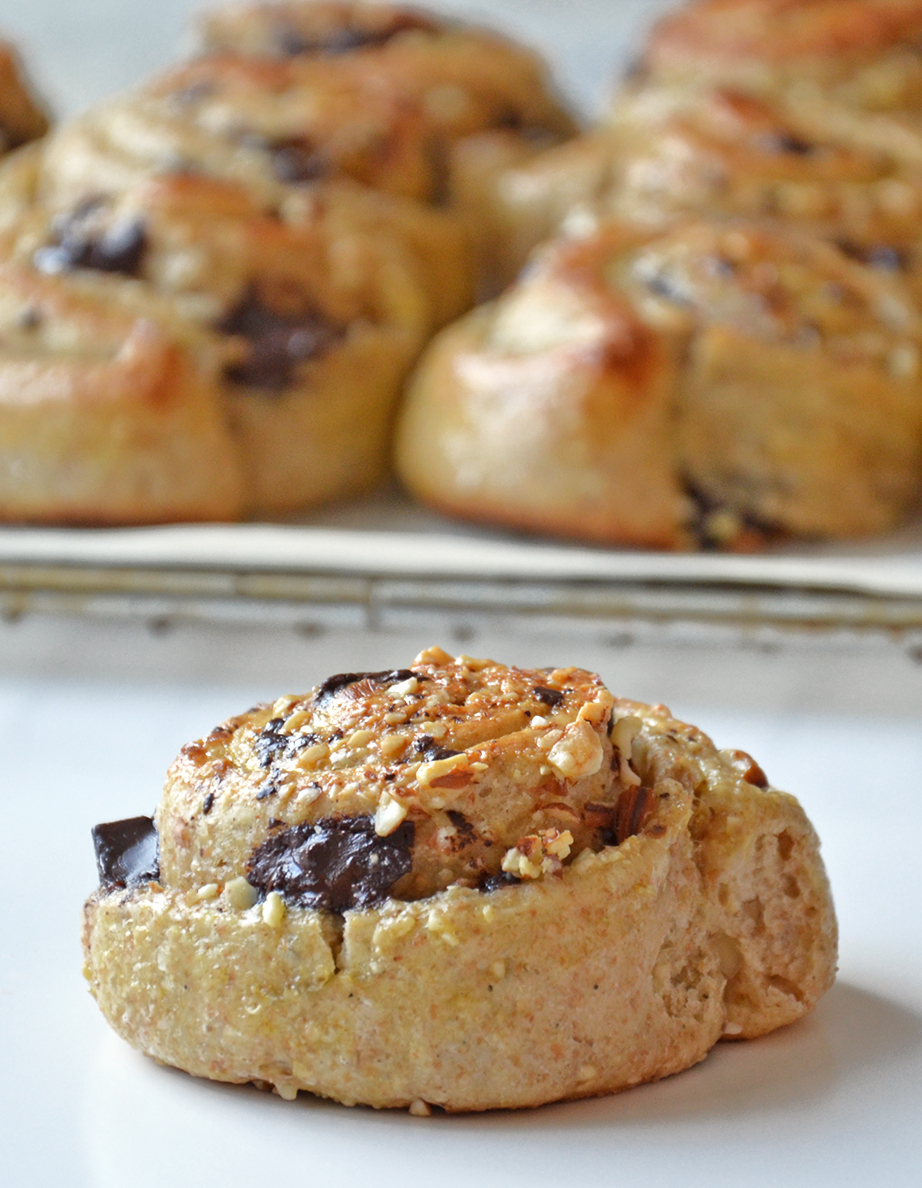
pixel 434 655
pixel 360 738
pixel 240 894
pixel 546 741
pixel 419 1109
pixel 405 688
pixel 538 854
pixel 428 773
pixel 389 815
pixel 473 665
pixel 209 891
pixel 274 910
pixel 391 744
pixel 313 755
pixel 296 721
pixel 623 733
pixel 395 719
pixel 578 753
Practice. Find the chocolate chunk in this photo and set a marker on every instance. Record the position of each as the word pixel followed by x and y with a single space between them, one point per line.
pixel 127 852
pixel 277 342
pixel 119 249
pixel 668 287
pixel 297 161
pixel 290 41
pixel 338 864
pixel 272 744
pixel 270 741
pixel 886 259
pixel 332 685
pixel 496 881
pixel 786 142
pixel 270 788
pixel 551 697
pixel 208 804
pixel 426 746
pixel 466 833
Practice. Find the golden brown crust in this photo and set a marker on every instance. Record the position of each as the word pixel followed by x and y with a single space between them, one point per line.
pixel 315 318
pixel 22 116
pixel 466 79
pixel 109 413
pixel 618 957
pixel 784 31
pixel 748 362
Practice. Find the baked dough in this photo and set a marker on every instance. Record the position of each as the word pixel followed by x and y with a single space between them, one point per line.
pixel 720 153
pixel 717 384
pixel 110 410
pixel 22 116
pixel 306 328
pixel 461 885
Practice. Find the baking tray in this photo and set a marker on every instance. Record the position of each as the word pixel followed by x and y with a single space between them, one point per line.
pixel 379 560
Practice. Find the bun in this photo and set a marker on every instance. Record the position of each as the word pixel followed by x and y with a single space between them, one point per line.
pixel 22 116
pixel 709 385
pixel 304 329
pixel 461 885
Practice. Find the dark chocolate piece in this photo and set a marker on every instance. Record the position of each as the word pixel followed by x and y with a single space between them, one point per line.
pixel 119 249
pixel 551 697
pixel 495 881
pixel 127 852
pixel 298 161
pixel 338 864
pixel 272 744
pixel 290 41
pixel 332 685
pixel 786 142
pixel 208 804
pixel 277 342
pixel 426 746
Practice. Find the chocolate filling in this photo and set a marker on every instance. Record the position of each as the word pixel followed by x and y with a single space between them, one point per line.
pixel 127 852
pixel 880 256
pixel 296 162
pixel 551 697
pixel 338 864
pixel 277 343
pixel 493 882
pixel 706 507
pixel 785 142
pixel 120 248
pixel 430 750
pixel 334 684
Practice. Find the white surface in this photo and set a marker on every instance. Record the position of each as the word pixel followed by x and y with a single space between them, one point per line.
pixel 833 1101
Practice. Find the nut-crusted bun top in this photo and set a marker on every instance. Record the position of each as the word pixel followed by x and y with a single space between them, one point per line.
pixel 290 29
pixel 843 32
pixel 466 79
pixel 22 117
pixel 770 282
pixel 453 771
pixel 729 154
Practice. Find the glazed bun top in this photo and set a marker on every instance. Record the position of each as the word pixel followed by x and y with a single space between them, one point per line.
pixel 22 117
pixel 839 34
pixel 290 29
pixel 451 772
pixel 467 79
